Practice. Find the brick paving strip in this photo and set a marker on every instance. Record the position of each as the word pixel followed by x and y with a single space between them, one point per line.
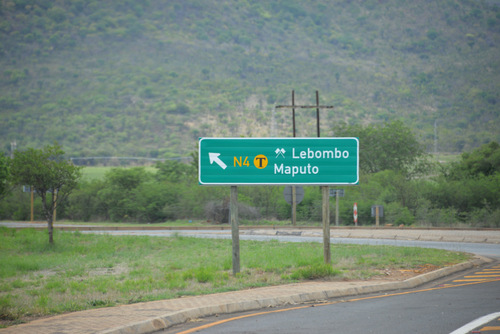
pixel 153 316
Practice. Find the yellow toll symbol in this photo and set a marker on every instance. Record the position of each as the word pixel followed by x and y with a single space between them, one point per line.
pixel 260 161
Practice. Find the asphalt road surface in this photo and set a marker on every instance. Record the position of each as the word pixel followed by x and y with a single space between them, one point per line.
pixel 441 307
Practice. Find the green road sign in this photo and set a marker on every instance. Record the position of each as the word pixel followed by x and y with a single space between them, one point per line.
pixel 266 161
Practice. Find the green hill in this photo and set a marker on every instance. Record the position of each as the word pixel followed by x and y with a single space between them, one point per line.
pixel 147 78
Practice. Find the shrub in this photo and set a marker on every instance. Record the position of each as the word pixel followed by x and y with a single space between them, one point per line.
pixel 396 214
pixel 315 271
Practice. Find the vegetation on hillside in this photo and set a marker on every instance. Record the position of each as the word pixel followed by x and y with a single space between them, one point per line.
pixel 148 78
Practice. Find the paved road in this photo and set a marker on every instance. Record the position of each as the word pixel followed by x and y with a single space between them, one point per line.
pixel 485 242
pixel 443 308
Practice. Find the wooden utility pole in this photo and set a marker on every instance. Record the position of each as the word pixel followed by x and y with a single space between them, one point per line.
pixel 293 106
pixel 324 189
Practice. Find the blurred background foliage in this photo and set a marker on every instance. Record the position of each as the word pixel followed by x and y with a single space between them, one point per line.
pixel 147 78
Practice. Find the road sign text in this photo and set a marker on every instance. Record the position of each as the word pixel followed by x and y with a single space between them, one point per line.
pixel 311 154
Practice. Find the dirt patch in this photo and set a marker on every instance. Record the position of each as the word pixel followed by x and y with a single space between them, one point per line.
pixel 404 274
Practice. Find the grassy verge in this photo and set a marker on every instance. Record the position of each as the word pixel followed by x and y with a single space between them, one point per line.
pixel 83 271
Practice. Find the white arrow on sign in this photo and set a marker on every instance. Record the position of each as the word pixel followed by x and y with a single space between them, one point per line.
pixel 214 157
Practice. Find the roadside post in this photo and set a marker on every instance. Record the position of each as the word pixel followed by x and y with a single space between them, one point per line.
pixel 31 190
pixel 377 212
pixel 355 214
pixel 278 161
pixel 293 196
pixel 32 211
pixel 337 193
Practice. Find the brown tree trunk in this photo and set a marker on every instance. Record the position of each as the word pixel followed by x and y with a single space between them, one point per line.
pixel 49 216
pixel 51 231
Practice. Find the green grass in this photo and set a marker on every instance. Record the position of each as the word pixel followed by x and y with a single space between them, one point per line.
pixel 446 158
pixel 97 173
pixel 83 271
pixel 94 173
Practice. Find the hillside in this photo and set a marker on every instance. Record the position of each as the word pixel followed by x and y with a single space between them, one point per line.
pixel 130 78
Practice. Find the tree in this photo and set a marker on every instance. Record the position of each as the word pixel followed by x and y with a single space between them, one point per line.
pixel 117 197
pixel 484 160
pixel 4 175
pixel 49 174
pixel 471 183
pixel 174 171
pixel 388 146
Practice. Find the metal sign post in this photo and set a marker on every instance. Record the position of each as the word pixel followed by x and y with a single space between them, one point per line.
pixel 235 230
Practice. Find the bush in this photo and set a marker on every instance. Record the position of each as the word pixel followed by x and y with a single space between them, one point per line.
pixel 439 217
pixel 315 271
pixel 218 211
pixel 84 204
pixel 396 214
pixel 484 217
pixel 17 206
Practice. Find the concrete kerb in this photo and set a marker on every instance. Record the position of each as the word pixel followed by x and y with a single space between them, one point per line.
pixel 179 317
pixel 378 233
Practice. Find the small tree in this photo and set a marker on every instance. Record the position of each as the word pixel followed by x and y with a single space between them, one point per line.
pixel 47 172
pixel 484 160
pixel 387 146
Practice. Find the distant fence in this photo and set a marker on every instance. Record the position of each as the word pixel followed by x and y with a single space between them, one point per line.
pixel 122 161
